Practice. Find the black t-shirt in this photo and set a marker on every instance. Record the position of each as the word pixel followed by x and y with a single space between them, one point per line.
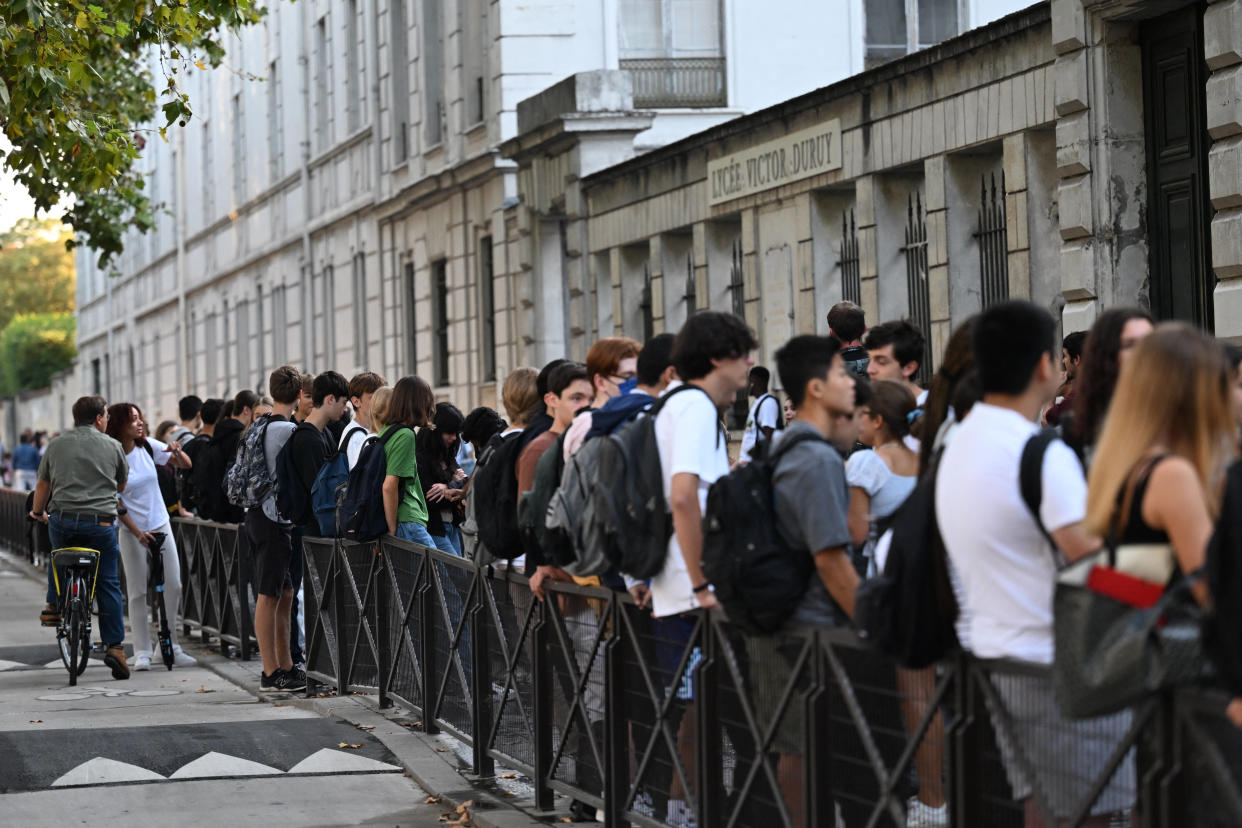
pixel 310 448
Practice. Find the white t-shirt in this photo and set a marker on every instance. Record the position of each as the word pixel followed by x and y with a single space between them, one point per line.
pixel 353 444
pixel 690 442
pixel 142 496
pixel 1004 566
pixel 765 413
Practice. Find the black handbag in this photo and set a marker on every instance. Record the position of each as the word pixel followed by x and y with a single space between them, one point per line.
pixel 1110 654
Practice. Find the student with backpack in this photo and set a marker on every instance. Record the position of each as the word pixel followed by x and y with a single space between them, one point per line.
pixel 191 482
pixel 765 417
pixel 412 405
pixel 491 503
pixel 441 478
pixel 612 363
pixel 362 388
pixel 306 450
pixel 251 483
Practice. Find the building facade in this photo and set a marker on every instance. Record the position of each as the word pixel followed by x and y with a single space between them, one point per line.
pixel 457 188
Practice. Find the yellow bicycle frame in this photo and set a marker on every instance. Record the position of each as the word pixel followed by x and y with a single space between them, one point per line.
pixel 56 570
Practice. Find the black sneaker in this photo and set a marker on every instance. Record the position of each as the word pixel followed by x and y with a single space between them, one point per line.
pixel 267 682
pixel 291 681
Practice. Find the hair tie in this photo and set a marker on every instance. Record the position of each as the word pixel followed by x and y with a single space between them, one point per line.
pixel 914 415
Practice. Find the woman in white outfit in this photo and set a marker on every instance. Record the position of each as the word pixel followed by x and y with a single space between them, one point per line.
pixel 144 513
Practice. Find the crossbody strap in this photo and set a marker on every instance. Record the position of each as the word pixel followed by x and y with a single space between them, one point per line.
pixel 1031 474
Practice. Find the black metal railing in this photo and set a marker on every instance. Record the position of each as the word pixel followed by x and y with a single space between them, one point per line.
pixel 216 597
pixel 993 238
pixel 663 721
pixel 677 82
pixel 917 288
pixel 851 261
pixel 19 534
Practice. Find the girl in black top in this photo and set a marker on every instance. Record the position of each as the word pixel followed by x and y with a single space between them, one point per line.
pixel 441 477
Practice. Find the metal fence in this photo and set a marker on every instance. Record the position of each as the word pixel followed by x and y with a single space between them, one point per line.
pixel 689 720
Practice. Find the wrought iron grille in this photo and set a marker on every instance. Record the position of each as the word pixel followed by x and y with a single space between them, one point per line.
pixel 735 417
pixel 916 279
pixel 676 82
pixel 692 291
pixel 851 269
pixel 993 243
pixel 645 306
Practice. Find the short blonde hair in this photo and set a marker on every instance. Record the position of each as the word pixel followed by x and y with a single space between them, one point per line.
pixel 379 407
pixel 520 395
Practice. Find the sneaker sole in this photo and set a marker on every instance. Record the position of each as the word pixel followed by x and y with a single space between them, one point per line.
pixel 120 671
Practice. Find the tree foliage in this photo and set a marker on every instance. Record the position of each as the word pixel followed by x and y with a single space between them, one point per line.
pixel 80 80
pixel 33 347
pixel 36 271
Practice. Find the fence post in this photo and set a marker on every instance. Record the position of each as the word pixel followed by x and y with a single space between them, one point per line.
pixel 481 672
pixel 383 656
pixel 707 742
pixel 965 748
pixel 340 571
pixel 817 781
pixel 245 625
pixel 616 734
pixel 223 574
pixel 544 711
pixel 427 608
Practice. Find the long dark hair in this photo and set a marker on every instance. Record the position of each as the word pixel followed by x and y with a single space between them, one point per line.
pixel 434 456
pixel 959 360
pixel 1098 372
pixel 119 416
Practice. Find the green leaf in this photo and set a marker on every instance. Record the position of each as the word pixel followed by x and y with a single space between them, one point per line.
pixel 81 21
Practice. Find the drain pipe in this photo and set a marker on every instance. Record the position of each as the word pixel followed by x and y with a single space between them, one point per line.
pixel 307 257
pixel 183 347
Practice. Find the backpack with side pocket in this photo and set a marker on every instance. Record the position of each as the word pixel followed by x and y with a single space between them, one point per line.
pixel 361 514
pixel 532 511
pixel 757 577
pixel 1222 624
pixel 293 498
pixel 629 515
pixel 248 481
pixel 330 487
pixel 188 489
pixel 909 611
pixel 494 497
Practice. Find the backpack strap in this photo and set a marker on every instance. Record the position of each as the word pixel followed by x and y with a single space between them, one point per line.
pixel 659 406
pixel 1031 474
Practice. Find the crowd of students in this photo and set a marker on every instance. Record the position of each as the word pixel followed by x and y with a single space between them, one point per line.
pixel 1149 417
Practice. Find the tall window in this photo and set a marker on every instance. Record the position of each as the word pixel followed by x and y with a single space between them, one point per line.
pixel 211 373
pixel 359 279
pixel 275 128
pixel 261 337
pixel 238 161
pixel 399 71
pixel 411 318
pixel 898 27
pixel 672 52
pixel 227 371
pixel 243 343
pixel 323 84
pixel 487 308
pixel 209 210
pixel 440 321
pixel 474 57
pixel 280 327
pixel 354 81
pixel 433 73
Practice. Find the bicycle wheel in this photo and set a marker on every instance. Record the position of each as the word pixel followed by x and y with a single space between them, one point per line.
pixel 76 643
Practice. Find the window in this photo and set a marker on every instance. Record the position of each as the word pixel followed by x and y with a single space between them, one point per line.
pixel 354 80
pixel 672 51
pixel 209 210
pixel 211 374
pixel 487 308
pixel 411 319
pixel 898 27
pixel 261 338
pixel 238 161
pixel 192 344
pixel 474 57
pixel 243 343
pixel 433 73
pixel 280 327
pixel 228 348
pixel 359 279
pixel 96 377
pixel 322 85
pixel 399 72
pixel 323 308
pixel 440 321
pixel 275 128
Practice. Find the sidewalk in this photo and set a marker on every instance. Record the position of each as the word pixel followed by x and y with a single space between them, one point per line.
pixel 231 754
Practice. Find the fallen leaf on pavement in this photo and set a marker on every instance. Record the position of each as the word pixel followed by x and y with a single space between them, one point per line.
pixel 508 776
pixel 204 690
pixel 432 800
pixel 461 809
pixel 348 745
pixel 509 793
pixel 36 721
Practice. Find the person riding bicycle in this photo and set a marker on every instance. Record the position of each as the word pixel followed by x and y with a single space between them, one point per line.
pixel 80 476
pixel 142 514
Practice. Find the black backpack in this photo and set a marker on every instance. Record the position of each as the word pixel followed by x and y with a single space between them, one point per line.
pixel 758 578
pixel 1222 626
pixel 631 512
pixel 191 495
pixel 909 611
pixel 542 545
pixel 361 515
pixel 293 497
pixel 494 487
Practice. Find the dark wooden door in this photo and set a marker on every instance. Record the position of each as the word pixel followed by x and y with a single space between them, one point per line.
pixel 1179 215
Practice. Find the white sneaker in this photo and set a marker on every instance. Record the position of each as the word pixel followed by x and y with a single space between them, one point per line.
pixel 142 662
pixel 182 658
pixel 921 815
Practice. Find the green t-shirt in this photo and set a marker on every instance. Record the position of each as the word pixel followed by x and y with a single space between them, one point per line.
pixel 84 466
pixel 403 463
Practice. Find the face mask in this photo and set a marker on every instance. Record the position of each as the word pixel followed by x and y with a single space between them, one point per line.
pixel 628 386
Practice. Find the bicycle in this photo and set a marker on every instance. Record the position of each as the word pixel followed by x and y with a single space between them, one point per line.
pixel 79 566
pixel 155 588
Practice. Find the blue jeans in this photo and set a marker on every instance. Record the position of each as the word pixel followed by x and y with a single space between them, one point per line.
pixel 450 541
pixel 415 532
pixel 70 532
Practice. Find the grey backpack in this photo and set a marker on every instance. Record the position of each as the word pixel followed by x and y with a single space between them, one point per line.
pixel 568 512
pixel 248 482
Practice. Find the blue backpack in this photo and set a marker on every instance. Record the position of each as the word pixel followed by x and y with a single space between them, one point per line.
pixel 330 486
pixel 293 499
pixel 362 515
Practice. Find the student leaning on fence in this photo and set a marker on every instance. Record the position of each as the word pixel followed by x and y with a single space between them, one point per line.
pixel 411 405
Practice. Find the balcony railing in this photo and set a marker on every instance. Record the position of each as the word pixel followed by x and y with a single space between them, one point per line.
pixel 677 82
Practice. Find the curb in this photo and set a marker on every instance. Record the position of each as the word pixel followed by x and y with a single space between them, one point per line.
pixel 425 761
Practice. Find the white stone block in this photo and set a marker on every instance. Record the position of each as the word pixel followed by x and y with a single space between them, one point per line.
pixel 1225 174
pixel 1222 34
pixel 1079 315
pixel 1224 103
pixel 1227 301
pixel 1227 244
pixel 1072 89
pixel 1073 145
pixel 1068 26
pixel 1075 199
pixel 1078 270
